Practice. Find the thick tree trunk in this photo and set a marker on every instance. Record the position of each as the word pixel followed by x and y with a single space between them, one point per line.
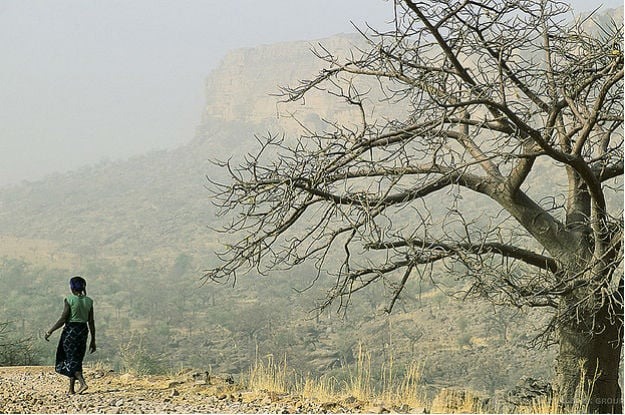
pixel 587 370
pixel 606 396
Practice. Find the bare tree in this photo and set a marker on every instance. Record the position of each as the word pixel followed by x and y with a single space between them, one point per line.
pixel 15 351
pixel 496 150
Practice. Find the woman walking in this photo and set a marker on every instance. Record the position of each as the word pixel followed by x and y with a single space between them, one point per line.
pixel 78 322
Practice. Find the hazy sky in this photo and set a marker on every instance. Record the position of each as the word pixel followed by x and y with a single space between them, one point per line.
pixel 85 80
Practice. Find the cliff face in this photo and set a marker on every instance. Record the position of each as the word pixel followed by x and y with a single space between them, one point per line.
pixel 245 86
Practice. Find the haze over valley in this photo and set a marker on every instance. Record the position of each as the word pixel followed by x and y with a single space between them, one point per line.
pixel 140 225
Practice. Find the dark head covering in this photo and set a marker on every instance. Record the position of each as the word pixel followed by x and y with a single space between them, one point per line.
pixel 78 284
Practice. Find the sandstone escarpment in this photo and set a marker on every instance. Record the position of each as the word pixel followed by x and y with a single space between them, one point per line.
pixel 244 87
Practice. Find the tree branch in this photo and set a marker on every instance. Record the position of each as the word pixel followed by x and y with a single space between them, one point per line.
pixel 529 257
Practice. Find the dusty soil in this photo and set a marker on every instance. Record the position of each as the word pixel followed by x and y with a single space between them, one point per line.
pixel 38 389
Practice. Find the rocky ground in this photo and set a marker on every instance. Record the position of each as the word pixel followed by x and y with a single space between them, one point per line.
pixel 39 389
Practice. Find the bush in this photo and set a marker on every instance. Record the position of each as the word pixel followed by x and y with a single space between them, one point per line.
pixel 16 351
pixel 134 358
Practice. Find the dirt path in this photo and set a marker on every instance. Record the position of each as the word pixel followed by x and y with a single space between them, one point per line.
pixel 37 389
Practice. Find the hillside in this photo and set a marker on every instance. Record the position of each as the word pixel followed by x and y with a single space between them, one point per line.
pixel 140 231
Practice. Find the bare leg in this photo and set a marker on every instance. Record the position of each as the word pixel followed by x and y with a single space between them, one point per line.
pixel 83 384
pixel 72 381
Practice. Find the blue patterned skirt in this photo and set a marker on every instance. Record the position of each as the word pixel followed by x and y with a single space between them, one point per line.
pixel 71 349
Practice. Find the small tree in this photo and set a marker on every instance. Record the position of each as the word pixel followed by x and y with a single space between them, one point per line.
pixel 15 351
pixel 497 152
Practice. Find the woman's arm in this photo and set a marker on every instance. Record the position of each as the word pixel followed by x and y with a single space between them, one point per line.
pixel 91 323
pixel 61 321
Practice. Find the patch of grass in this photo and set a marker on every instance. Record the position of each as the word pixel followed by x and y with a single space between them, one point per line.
pixel 543 405
pixel 399 387
pixel 323 389
pixel 552 404
pixel 268 375
pixel 391 386
pixel 454 401
pixel 359 382
pixel 410 390
pixel 136 359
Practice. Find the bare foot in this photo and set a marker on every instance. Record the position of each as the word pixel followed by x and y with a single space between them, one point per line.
pixel 82 388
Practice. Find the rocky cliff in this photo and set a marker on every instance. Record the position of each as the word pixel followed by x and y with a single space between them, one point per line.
pixel 244 86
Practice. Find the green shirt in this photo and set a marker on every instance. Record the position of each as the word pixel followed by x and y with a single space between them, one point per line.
pixel 79 305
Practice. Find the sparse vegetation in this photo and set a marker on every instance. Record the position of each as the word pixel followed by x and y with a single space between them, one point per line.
pixel 136 359
pixel 14 350
pixel 402 387
pixel 402 390
pixel 137 231
pixel 457 112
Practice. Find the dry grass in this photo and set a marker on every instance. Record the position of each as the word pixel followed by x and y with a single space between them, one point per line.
pixel 323 389
pixel 551 405
pixel 268 376
pixel 359 383
pixel 544 405
pixel 411 390
pixel 453 401
pixel 399 387
pixel 396 390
